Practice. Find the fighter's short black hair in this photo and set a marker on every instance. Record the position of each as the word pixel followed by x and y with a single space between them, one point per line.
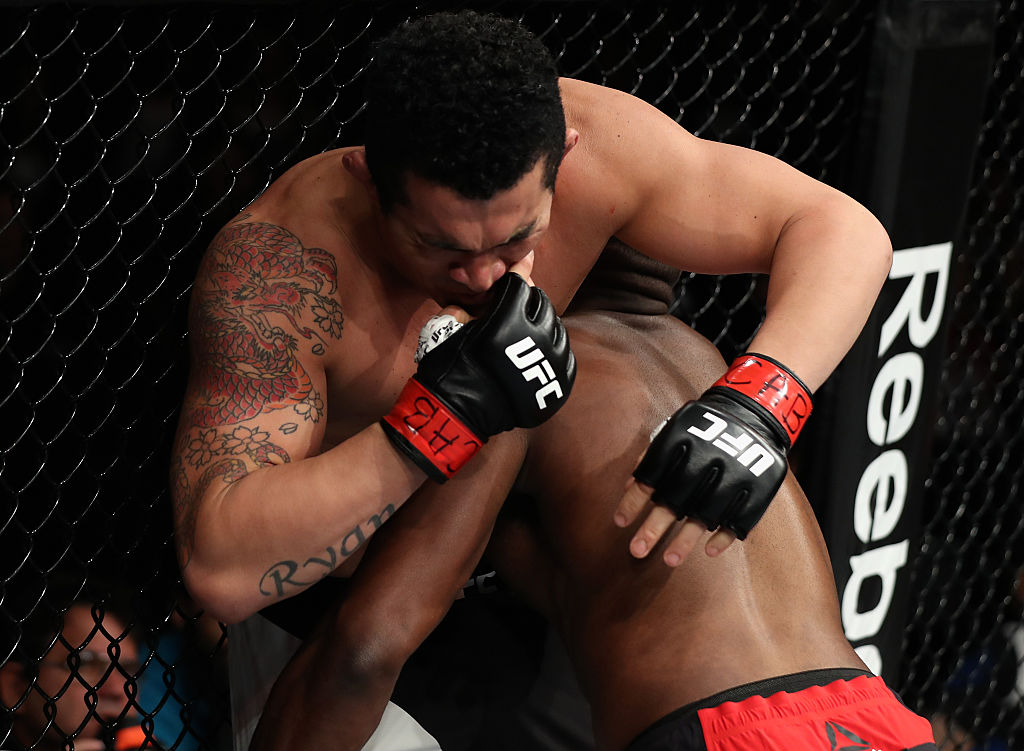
pixel 466 100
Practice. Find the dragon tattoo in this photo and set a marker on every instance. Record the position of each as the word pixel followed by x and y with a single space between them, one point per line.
pixel 265 295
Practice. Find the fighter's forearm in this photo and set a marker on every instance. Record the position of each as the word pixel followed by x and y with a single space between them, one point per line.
pixel 318 703
pixel 249 541
pixel 825 275
pixel 333 693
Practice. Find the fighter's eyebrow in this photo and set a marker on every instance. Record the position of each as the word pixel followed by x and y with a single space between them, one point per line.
pixel 519 234
pixel 440 242
pixel 446 244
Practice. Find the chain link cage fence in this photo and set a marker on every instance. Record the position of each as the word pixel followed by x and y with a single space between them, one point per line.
pixel 964 647
pixel 133 133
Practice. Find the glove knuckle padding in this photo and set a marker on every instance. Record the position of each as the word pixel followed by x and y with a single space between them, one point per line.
pixel 666 453
pixel 706 464
pixel 540 310
pixel 507 368
pixel 510 367
pixel 722 458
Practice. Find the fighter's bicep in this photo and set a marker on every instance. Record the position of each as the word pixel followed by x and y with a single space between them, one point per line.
pixel 216 439
pixel 241 380
pixel 695 204
pixel 226 434
pixel 263 314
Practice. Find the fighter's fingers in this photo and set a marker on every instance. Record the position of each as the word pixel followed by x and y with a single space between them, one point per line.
pixel 633 501
pixel 455 312
pixel 524 267
pixel 684 542
pixel 657 523
pixel 438 328
pixel 719 541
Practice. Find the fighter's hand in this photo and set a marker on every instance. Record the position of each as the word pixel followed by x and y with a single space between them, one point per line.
pixel 660 524
pixel 719 460
pixel 524 267
pixel 510 367
pixel 452 318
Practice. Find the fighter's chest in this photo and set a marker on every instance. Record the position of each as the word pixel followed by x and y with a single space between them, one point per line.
pixel 366 370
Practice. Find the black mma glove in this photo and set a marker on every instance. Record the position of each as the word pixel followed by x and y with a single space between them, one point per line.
pixel 511 367
pixel 722 458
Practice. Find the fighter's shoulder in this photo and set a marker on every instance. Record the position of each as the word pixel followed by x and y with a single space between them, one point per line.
pixel 626 146
pixel 590 106
pixel 307 188
pixel 620 131
pixel 303 213
pixel 589 102
pixel 283 254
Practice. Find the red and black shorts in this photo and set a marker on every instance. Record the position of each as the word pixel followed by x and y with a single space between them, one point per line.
pixel 830 710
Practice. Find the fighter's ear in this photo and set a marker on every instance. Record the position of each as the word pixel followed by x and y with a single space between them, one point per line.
pixel 572 137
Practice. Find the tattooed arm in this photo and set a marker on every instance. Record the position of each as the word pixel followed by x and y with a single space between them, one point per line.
pixel 259 514
pixel 335 688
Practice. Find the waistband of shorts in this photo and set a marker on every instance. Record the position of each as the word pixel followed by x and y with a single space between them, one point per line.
pixel 790 683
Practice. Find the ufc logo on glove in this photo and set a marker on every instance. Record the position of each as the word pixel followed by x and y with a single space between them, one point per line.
pixel 479 379
pixel 755 457
pixel 531 362
pixel 752 414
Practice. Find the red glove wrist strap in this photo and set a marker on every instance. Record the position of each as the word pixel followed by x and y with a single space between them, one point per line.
pixel 428 425
pixel 772 386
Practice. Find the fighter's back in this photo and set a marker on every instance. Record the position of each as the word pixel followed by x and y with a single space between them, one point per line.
pixel 647 639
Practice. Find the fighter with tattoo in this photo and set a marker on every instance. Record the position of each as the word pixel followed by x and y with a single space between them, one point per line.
pixel 245 333
pixel 265 306
pixel 740 652
pixel 307 422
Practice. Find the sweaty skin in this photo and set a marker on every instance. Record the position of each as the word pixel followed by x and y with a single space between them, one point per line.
pixel 645 639
pixel 306 310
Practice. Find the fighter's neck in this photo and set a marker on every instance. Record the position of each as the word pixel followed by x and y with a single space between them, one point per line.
pixel 626 281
